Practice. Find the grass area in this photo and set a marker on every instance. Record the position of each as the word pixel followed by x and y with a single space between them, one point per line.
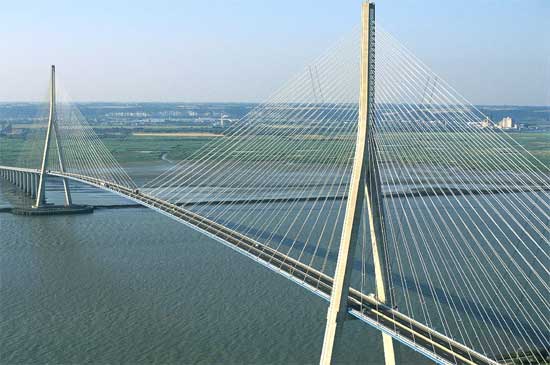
pixel 12 149
pixel 133 149
pixel 415 148
pixel 472 150
pixel 538 144
pixel 128 149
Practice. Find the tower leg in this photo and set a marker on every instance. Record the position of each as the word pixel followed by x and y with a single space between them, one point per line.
pixel 68 198
pixel 40 196
pixel 363 193
pixel 52 128
pixel 381 275
pixel 337 310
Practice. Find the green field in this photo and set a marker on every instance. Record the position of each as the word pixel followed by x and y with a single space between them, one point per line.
pixel 538 144
pixel 134 149
pixel 415 148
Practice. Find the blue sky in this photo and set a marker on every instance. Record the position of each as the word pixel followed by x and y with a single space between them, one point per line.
pixel 492 51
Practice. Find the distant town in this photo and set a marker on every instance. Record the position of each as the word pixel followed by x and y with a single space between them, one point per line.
pixel 507 124
pixel 125 118
pixel 119 119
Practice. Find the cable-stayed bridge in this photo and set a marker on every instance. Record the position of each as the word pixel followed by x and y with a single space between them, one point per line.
pixel 370 182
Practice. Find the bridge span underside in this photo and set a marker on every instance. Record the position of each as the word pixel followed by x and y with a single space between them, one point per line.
pixel 402 328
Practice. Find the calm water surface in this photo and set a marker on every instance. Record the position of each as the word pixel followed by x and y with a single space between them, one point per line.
pixel 132 286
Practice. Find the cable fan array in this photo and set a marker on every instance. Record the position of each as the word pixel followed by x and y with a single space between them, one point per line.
pixel 84 153
pixel 280 175
pixel 467 212
pixel 465 208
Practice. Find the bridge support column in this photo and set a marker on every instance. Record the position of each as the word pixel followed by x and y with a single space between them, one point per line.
pixel 28 190
pixel 363 198
pixel 33 185
pixel 52 128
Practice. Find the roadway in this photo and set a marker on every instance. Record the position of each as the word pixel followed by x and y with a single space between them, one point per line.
pixel 419 337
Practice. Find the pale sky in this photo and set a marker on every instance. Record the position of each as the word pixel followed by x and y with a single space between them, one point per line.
pixel 491 51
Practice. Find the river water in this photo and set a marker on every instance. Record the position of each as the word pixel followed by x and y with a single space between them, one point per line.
pixel 132 286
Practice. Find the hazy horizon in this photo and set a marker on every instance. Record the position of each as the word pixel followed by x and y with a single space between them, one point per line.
pixel 216 102
pixel 493 53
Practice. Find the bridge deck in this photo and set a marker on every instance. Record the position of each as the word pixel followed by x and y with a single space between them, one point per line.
pixel 421 338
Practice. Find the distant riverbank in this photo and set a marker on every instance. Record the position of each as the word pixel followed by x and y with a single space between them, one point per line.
pixel 176 134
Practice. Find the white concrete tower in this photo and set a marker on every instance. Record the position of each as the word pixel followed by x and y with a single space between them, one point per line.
pixel 364 192
pixel 52 128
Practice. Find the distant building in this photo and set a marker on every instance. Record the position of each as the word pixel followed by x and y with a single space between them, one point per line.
pixel 486 123
pixel 222 117
pixel 507 123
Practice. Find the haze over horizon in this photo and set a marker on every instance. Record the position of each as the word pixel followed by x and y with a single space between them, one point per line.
pixel 494 53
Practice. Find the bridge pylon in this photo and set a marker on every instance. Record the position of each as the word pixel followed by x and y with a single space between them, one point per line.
pixel 52 128
pixel 364 196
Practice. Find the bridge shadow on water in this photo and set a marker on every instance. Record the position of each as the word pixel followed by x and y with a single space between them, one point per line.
pixel 473 308
pixel 470 307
